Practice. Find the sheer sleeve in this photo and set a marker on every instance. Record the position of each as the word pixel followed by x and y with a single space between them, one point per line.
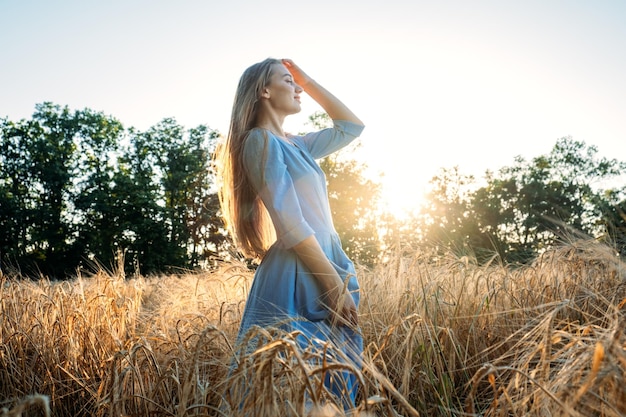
pixel 327 141
pixel 264 160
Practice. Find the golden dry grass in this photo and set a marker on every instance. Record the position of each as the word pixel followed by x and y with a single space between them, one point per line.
pixel 443 336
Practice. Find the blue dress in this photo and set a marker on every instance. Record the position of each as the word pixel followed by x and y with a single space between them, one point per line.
pixel 284 293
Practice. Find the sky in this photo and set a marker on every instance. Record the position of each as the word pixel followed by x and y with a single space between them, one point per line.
pixel 438 84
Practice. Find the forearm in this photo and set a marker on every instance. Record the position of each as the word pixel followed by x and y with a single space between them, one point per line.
pixel 331 104
pixel 310 252
pixel 337 300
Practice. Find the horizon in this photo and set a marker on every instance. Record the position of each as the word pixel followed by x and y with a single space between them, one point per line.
pixel 437 85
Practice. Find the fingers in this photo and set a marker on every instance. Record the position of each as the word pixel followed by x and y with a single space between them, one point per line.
pixel 344 313
pixel 290 65
pixel 350 311
pixel 300 77
pixel 349 316
pixel 345 317
pixel 354 317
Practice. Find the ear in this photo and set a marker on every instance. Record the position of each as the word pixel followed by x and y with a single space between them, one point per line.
pixel 266 93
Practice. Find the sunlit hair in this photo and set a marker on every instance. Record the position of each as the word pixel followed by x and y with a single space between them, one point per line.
pixel 243 211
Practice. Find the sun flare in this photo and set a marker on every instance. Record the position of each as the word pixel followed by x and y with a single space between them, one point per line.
pixel 403 180
pixel 401 197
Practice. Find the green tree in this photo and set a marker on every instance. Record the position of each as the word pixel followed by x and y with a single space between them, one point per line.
pixel 446 221
pixel 138 195
pixel 171 214
pixel 77 186
pixel 206 227
pixel 95 211
pixel 184 161
pixel 528 207
pixel 173 160
pixel 546 200
pixel 613 220
pixel 17 191
pixel 52 157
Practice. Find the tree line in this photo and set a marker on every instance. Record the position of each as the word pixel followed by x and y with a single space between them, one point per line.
pixel 521 210
pixel 78 190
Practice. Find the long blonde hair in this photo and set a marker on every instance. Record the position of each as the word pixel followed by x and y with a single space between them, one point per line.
pixel 244 214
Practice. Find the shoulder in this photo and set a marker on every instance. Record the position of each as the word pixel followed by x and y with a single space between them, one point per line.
pixel 256 140
pixel 254 137
pixel 261 143
pixel 258 135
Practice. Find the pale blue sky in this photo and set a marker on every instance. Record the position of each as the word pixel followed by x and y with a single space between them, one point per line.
pixel 438 83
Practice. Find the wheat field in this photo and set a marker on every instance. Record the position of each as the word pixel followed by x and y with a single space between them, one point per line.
pixel 443 337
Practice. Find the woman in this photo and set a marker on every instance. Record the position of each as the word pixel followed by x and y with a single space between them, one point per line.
pixel 275 203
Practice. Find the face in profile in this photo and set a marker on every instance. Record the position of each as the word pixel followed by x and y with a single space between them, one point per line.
pixel 282 94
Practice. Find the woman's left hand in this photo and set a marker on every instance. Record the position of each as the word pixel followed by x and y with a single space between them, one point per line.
pixel 343 310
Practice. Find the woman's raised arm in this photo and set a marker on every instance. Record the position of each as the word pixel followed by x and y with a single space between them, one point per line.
pixel 331 104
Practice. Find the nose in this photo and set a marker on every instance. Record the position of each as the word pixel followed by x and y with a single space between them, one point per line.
pixel 299 89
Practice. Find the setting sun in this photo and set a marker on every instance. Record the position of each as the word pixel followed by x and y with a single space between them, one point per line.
pixel 401 198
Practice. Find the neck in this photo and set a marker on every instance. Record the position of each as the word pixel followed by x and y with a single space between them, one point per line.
pixel 272 122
